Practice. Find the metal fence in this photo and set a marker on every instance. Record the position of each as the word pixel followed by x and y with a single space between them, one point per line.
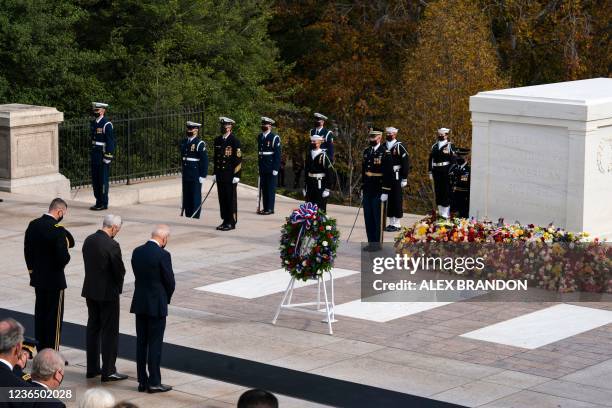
pixel 147 145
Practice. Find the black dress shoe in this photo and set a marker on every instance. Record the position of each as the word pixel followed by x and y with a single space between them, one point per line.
pixel 158 388
pixel 267 212
pixel 142 388
pixel 92 375
pixel 220 227
pixel 225 228
pixel 114 377
pixel 96 208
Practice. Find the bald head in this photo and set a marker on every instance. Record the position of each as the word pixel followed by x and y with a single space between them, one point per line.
pixel 160 233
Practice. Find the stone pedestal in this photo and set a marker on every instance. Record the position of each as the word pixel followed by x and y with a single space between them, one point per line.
pixel 29 156
pixel 543 154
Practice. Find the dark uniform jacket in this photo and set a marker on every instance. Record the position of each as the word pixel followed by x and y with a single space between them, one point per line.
pixel 400 164
pixel 102 139
pixel 269 151
pixel 154 284
pixel 46 253
pixel 194 159
pixel 328 140
pixel 376 171
pixel 10 380
pixel 228 158
pixel 445 154
pixel 104 269
pixel 318 169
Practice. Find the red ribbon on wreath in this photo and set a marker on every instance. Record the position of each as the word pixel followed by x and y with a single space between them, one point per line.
pixel 306 214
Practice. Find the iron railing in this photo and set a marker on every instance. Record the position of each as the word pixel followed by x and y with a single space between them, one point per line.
pixel 147 145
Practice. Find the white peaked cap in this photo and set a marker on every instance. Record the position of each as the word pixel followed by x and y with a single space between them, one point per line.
pixel 320 116
pixel 224 119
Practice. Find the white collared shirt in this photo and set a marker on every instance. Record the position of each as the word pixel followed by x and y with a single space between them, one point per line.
pixel 7 363
pixel 225 136
pixel 41 384
pixel 315 153
pixel 317 130
pixel 156 243
pixel 442 143
pixel 98 119
pixel 375 148
pixel 191 138
pixel 391 143
pixel 266 133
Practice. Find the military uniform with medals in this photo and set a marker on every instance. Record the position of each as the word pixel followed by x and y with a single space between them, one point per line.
pixel 227 171
pixel 269 162
pixel 194 158
pixel 317 177
pixel 400 166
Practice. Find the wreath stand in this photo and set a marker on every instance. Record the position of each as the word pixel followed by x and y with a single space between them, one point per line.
pixel 329 305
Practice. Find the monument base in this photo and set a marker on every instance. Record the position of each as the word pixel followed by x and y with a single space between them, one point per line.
pixel 48 185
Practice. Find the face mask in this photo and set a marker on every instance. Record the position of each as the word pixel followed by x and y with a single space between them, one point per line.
pixel 317 124
pixel 97 114
pixel 264 128
pixel 440 137
pixel 60 218
pixel 389 138
pixel 313 146
pixel 373 142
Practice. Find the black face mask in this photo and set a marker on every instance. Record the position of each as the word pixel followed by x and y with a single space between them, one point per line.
pixel 264 128
pixel 313 146
pixel 190 133
pixel 59 219
pixel 373 142
pixel 317 124
pixel 389 138
pixel 440 137
pixel 97 114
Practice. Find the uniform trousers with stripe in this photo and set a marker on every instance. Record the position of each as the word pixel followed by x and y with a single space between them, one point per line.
pixel 372 215
pixel 192 197
pixel 48 317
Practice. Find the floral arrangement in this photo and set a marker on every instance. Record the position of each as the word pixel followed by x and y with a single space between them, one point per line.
pixel 548 257
pixel 308 244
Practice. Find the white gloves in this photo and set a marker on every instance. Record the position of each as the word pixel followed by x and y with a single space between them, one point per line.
pixel 213 177
pixel 235 180
pixel 106 161
pixel 304 192
pixel 361 195
pixel 202 179
pixel 384 197
pixel 325 193
pixel 430 176
pixel 274 172
pixel 404 183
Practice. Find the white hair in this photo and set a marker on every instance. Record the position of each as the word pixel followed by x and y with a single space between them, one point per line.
pixel 46 363
pixel 160 231
pixel 97 398
pixel 111 220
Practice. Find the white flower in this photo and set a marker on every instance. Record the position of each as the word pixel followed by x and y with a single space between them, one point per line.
pixel 328 228
pixel 304 263
pixel 324 243
pixel 286 262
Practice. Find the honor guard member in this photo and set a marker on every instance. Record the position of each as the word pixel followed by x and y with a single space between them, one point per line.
pixel 195 169
pixel 102 150
pixel 440 159
pixel 269 151
pixel 400 166
pixel 46 246
pixel 227 170
pixel 328 137
pixel 460 182
pixel 376 186
pixel 317 174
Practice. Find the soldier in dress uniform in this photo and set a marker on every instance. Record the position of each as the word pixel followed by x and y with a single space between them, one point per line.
pixel 269 152
pixel 102 150
pixel 376 174
pixel 460 181
pixel 46 246
pixel 227 170
pixel 440 159
pixel 401 166
pixel 328 137
pixel 317 174
pixel 195 169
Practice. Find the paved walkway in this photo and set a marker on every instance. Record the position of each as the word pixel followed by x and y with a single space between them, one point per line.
pixel 436 351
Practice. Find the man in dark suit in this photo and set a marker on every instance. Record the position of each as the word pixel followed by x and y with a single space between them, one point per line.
pixel 46 254
pixel 48 373
pixel 153 290
pixel 11 339
pixel 104 272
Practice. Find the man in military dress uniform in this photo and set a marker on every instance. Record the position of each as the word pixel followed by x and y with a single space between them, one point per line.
pixel 400 166
pixel 269 151
pixel 317 174
pixel 328 137
pixel 46 254
pixel 227 170
pixel 195 169
pixel 102 150
pixel 376 186
pixel 460 181
pixel 440 159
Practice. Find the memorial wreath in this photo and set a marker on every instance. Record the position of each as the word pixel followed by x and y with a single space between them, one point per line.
pixel 309 240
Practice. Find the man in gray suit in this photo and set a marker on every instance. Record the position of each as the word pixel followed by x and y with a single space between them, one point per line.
pixel 104 272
